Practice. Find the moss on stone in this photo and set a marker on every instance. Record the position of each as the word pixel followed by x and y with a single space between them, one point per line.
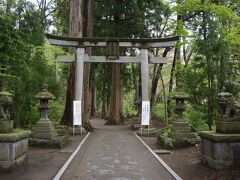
pixel 57 142
pixel 15 135
pixel 220 137
pixel 178 95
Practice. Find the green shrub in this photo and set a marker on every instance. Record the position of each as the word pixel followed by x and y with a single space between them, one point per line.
pixel 196 117
pixel 56 111
pixel 158 110
pixel 129 109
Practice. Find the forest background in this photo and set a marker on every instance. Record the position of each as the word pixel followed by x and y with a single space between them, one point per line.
pixel 205 60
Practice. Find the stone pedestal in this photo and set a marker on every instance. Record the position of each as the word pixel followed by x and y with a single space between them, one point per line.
pixel 13 149
pixel 228 126
pixel 147 132
pixel 181 131
pixel 78 130
pixel 220 151
pixel 44 130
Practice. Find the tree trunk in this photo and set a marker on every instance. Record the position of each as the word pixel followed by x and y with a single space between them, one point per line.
pixel 155 79
pixel 87 32
pixel 74 31
pixel 115 107
pixel 81 22
pixel 94 101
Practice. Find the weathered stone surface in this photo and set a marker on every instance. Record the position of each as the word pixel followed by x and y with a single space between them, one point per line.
pixel 228 126
pixel 147 132
pixel 10 151
pixel 219 137
pixel 16 135
pixel 162 151
pixel 6 126
pixel 171 139
pixel 57 142
pixel 77 130
pixel 13 151
pixel 9 166
pixel 44 130
pixel 220 151
pixel 179 135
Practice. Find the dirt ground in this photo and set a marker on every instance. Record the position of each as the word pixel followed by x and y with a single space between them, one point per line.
pixel 186 163
pixel 43 163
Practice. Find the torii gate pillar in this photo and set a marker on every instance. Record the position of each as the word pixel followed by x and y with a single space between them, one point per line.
pixel 144 74
pixel 79 73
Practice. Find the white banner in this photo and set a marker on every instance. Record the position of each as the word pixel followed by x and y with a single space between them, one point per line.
pixel 77 113
pixel 145 112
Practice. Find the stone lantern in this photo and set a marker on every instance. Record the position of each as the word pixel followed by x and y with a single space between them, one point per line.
pixel 179 134
pixel 180 97
pixel 44 128
pixel 6 124
pixel 180 130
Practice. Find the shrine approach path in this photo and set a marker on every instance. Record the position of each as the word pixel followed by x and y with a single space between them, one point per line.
pixel 114 153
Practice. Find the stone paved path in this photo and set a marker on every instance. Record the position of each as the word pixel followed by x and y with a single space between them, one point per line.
pixel 114 153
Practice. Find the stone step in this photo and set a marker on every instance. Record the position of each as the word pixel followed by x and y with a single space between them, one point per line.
pixel 180 124
pixel 162 151
pixel 46 136
pixel 181 129
pixel 182 135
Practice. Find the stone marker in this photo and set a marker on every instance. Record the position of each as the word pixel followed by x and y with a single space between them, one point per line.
pixel 13 143
pixel 221 148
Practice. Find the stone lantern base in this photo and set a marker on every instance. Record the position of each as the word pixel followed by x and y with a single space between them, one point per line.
pixel 13 150
pixel 45 135
pixel 151 132
pixel 179 135
pixel 220 151
pixel 44 130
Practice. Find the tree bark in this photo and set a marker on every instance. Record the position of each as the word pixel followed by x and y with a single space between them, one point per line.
pixel 87 32
pixel 94 101
pixel 81 23
pixel 115 109
pixel 75 30
pixel 155 79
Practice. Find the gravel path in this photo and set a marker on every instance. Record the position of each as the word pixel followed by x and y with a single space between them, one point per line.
pixel 114 153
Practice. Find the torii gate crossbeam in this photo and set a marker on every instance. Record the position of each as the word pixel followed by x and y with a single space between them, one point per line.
pixel 143 44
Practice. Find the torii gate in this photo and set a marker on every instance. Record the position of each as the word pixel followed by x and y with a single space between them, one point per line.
pixel 112 56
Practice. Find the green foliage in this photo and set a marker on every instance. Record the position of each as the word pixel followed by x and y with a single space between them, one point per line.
pixel 23 55
pixel 158 110
pixel 56 111
pixel 129 109
pixel 196 116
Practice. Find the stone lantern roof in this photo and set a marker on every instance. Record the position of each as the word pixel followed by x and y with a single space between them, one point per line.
pixel 44 94
pixel 179 94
